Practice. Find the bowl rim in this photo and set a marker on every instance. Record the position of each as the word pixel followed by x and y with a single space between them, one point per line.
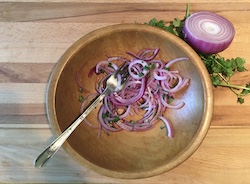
pixel 84 40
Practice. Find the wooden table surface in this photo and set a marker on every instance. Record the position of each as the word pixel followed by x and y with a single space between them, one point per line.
pixel 34 34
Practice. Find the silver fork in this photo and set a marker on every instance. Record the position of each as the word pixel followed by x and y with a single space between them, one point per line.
pixel 111 86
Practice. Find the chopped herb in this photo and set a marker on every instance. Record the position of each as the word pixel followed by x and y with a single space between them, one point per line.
pixel 140 74
pixel 80 98
pixel 116 118
pixel 102 71
pixel 164 96
pixel 146 68
pixel 170 99
pixel 104 115
pixel 149 75
pixel 110 64
pixel 80 90
pixel 162 127
pixel 132 122
pixel 166 68
pixel 108 103
pixel 152 66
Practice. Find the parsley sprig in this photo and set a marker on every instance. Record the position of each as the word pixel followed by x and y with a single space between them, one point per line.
pixel 220 69
pixel 175 27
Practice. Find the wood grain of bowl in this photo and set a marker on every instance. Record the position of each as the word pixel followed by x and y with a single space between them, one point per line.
pixel 130 154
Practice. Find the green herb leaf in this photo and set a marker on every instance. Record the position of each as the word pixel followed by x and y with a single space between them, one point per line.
pixel 177 22
pixel 105 115
pixel 164 96
pixel 170 99
pixel 116 118
pixel 240 64
pixel 102 71
pixel 80 90
pixel 152 66
pixel 246 91
pixel 162 127
pixel 80 98
pixel 166 68
pixel 132 122
pixel 240 100
pixel 146 68
pixel 140 74
pixel 110 64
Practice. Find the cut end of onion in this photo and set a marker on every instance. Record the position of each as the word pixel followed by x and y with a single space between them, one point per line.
pixel 208 32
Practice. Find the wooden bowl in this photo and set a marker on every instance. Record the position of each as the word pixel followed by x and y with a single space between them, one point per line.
pixel 130 154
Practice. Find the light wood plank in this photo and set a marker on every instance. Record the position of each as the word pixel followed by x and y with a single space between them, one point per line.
pixel 211 163
pixel 11 52
pixel 22 93
pixel 22 109
pixel 123 1
pixel 24 126
pixel 18 120
pixel 36 11
pixel 223 115
pixel 25 72
pixel 38 32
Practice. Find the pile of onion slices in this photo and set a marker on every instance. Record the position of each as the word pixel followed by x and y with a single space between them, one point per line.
pixel 145 97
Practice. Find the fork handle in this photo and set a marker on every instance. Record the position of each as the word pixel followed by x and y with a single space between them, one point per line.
pixel 50 151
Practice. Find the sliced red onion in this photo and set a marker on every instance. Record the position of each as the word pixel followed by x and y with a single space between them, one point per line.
pixel 124 126
pixel 177 106
pixel 168 126
pixel 119 100
pixel 167 86
pixel 103 123
pixel 100 86
pixel 103 65
pixel 142 54
pixel 137 70
pixel 89 124
pixel 208 32
pixel 175 60
pixel 91 71
pixel 143 92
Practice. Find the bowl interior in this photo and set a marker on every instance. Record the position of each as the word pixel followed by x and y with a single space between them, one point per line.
pixel 130 154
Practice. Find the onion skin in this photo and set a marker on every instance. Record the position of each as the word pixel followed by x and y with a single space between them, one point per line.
pixel 207 32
